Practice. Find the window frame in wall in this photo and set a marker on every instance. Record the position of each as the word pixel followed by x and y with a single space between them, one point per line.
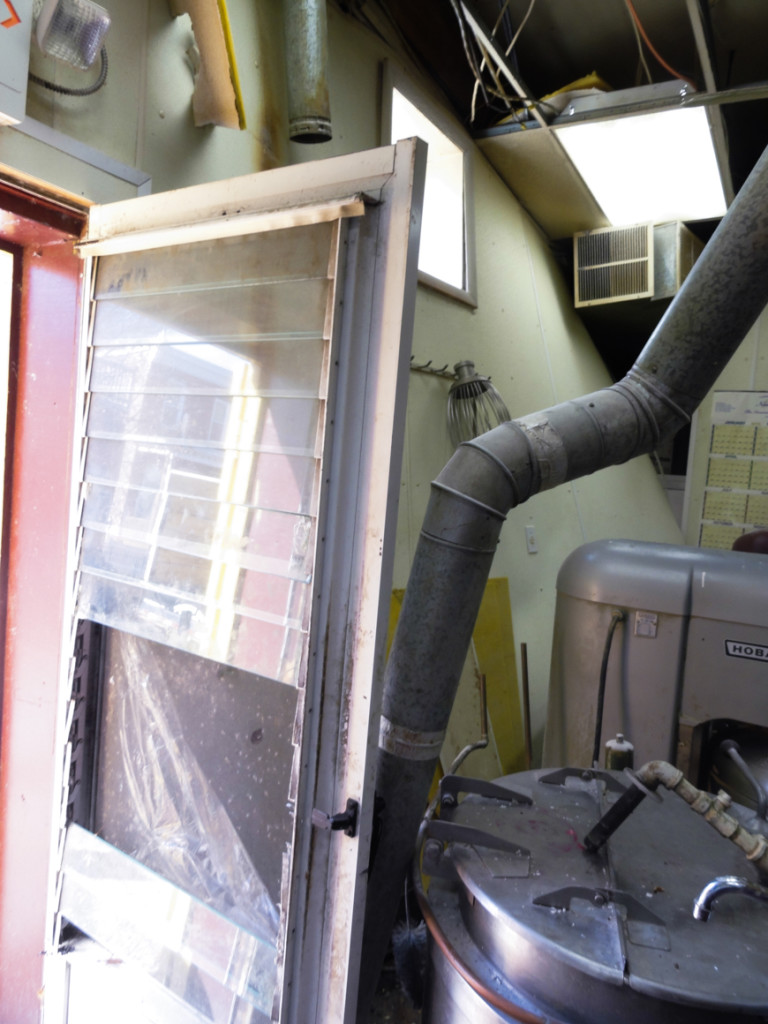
pixel 39 224
pixel 393 78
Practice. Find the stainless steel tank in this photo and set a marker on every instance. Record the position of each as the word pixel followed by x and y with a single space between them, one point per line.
pixel 526 925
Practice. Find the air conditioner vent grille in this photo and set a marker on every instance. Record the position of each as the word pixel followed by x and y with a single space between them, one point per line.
pixel 613 246
pixel 613 264
pixel 622 280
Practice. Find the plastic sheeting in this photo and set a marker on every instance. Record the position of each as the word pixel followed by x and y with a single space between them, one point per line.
pixel 186 833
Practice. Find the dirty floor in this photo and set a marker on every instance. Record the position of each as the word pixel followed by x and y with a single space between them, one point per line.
pixel 391 1006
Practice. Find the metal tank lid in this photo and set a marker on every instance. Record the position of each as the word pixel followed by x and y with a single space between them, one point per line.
pixel 595 938
pixel 668 578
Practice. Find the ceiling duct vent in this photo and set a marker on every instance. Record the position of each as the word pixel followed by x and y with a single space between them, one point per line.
pixel 642 261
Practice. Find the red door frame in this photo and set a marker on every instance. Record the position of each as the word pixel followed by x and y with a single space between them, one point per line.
pixel 33 578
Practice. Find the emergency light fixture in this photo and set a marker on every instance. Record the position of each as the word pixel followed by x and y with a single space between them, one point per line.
pixel 72 30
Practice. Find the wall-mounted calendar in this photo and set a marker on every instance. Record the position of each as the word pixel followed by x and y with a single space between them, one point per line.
pixel 736 491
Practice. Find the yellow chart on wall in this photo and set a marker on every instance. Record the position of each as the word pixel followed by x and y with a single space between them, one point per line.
pixel 736 491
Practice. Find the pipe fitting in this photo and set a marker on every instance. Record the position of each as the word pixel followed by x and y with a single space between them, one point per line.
pixel 306 44
pixel 712 809
pixel 656 773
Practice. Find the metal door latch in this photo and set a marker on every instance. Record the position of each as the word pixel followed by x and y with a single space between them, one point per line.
pixel 344 820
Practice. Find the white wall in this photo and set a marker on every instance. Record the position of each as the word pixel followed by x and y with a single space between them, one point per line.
pixel 524 332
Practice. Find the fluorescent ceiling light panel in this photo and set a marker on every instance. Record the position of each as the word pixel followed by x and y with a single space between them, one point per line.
pixel 649 167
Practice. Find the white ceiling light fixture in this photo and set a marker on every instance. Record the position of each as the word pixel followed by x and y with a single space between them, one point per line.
pixel 647 166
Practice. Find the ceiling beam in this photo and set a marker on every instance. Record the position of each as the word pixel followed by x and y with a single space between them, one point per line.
pixel 714 113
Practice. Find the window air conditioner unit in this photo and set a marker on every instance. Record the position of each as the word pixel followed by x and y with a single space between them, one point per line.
pixel 641 261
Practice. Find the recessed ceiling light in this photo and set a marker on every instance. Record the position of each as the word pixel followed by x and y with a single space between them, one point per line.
pixel 648 167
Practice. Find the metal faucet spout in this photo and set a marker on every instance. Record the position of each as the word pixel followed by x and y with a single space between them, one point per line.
pixel 702 905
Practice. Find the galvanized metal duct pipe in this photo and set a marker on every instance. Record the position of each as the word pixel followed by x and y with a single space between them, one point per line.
pixel 703 327
pixel 306 55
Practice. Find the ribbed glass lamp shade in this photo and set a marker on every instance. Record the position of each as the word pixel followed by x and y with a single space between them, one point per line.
pixel 474 405
pixel 72 30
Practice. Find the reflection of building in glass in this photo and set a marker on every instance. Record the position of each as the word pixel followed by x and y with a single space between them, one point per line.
pixel 205 410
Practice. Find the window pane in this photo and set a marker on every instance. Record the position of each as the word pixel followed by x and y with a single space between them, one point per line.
pixel 240 422
pixel 273 480
pixel 441 252
pixel 208 379
pixel 292 254
pixel 279 366
pixel 221 313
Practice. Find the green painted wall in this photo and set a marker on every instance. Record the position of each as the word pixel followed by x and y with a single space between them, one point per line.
pixel 523 333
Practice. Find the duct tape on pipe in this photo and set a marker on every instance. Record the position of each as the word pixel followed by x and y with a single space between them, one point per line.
pixel 547 445
pixel 408 743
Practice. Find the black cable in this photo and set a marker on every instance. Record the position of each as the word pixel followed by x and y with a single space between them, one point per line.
pixel 65 90
pixel 616 618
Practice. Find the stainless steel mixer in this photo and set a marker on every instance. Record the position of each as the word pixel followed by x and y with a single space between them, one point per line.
pixel 687 666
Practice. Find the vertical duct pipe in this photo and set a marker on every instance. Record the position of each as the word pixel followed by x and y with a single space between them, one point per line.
pixel 702 328
pixel 306 55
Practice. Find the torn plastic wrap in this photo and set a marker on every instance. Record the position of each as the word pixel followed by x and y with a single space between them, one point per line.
pixel 187 835
pixel 163 954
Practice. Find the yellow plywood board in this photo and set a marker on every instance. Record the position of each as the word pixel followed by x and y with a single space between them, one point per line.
pixel 492 654
pixel 494 643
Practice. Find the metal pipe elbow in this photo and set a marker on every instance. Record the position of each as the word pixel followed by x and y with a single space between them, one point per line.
pixel 506 466
pixel 702 905
pixel 656 773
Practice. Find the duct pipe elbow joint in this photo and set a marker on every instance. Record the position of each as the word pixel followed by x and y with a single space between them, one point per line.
pixel 455 519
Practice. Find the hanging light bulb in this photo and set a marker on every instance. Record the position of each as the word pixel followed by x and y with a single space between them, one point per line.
pixel 474 405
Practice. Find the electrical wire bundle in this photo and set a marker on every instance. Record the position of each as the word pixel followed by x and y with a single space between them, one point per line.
pixel 489 86
pixel 494 94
